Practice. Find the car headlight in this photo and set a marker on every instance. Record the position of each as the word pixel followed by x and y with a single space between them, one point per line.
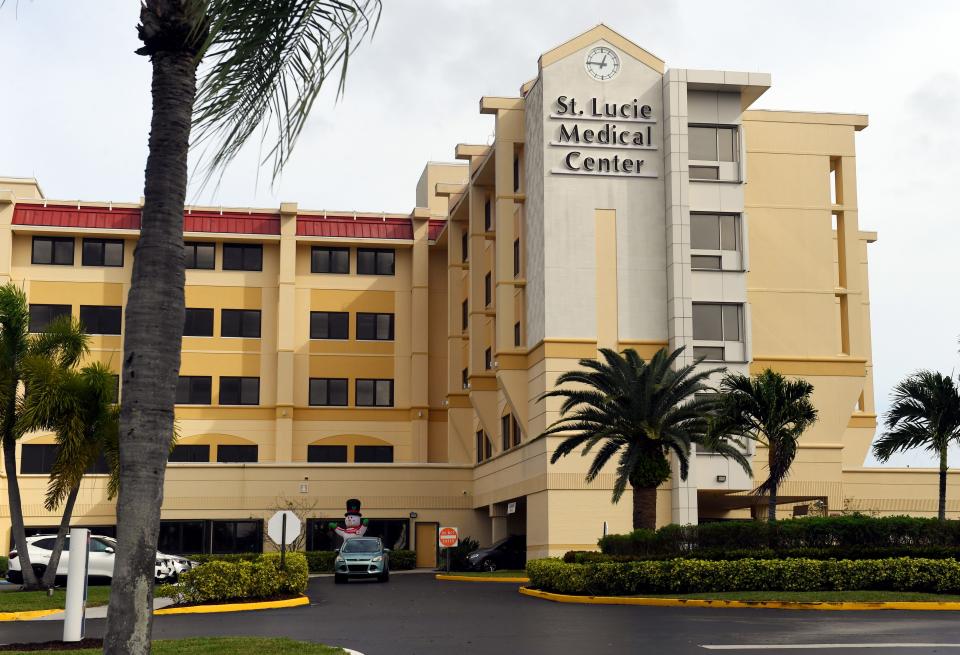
pixel 473 555
pixel 378 558
pixel 339 560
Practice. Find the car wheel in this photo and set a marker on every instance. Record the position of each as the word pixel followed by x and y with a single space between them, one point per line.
pixel 339 579
pixel 384 577
pixel 489 565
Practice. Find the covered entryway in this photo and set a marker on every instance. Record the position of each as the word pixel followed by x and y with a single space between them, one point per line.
pixel 426 545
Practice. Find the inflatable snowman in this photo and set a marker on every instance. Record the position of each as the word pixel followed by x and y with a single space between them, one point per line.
pixel 355 524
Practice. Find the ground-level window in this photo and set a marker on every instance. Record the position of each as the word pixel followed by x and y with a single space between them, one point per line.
pixel 237 537
pixel 182 537
pixel 395 533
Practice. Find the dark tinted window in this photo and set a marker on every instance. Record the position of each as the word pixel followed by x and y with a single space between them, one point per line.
pixel 193 390
pixel 372 454
pixel 329 260
pixel 200 255
pixel 97 319
pixel 487 289
pixel 465 246
pixel 47 544
pixel 237 536
pixel 240 453
pixel 487 216
pixel 516 257
pixel 190 454
pixel 328 392
pixel 329 325
pixel 242 257
pixel 198 322
pixel 240 323
pixel 41 315
pixel 505 431
pixel 319 454
pixel 239 391
pixel 488 359
pixel 53 250
pixel 181 537
pixel 37 458
pixel 374 327
pixel 375 261
pixel 374 393
pixel 464 314
pixel 102 252
pixel 516 334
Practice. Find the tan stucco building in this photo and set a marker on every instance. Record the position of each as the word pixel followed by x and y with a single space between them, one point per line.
pixel 398 358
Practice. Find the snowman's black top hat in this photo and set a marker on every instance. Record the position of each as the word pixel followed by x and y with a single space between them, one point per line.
pixel 353 507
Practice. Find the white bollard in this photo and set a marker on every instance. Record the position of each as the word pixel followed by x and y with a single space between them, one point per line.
pixel 76 606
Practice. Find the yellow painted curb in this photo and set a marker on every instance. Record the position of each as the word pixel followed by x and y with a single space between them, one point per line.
pixel 765 604
pixel 26 615
pixel 477 578
pixel 234 607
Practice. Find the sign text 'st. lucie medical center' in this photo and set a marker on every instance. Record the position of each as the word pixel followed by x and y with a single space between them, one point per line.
pixel 601 124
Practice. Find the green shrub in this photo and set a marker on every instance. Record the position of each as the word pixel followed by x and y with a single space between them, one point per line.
pixel 225 557
pixel 683 576
pixel 835 552
pixel 403 560
pixel 222 580
pixel 321 561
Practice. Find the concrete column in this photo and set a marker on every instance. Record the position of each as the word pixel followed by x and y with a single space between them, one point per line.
pixel 419 334
pixel 286 333
pixel 498 522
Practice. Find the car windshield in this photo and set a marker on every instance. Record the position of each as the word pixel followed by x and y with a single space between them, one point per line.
pixel 361 546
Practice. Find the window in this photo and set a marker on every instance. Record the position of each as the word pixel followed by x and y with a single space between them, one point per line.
pixel 200 255
pixel 102 252
pixel 716 322
pixel 242 257
pixel 374 327
pixel 516 334
pixel 42 315
pixel 464 314
pixel 97 319
pixel 394 533
pixel 374 393
pixel 516 173
pixel 190 454
pixel 465 246
pixel 707 262
pixel 237 536
pixel 488 359
pixel 52 250
pixel 505 431
pixel 329 325
pixel 710 354
pixel 375 261
pixel 465 378
pixel 37 458
pixel 516 257
pixel 487 289
pixel 229 454
pixel 704 173
pixel 517 435
pixel 487 216
pixel 181 537
pixel 320 454
pixel 240 323
pixel 713 232
pixel 480 440
pixel 373 454
pixel 239 391
pixel 329 260
pixel 712 143
pixel 198 322
pixel 328 392
pixel 193 390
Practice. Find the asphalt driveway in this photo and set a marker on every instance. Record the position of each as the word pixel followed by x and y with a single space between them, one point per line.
pixel 415 614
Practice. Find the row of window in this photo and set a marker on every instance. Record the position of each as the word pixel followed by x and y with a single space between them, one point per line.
pixel 226 453
pixel 336 325
pixel 361 454
pixel 39 458
pixel 324 392
pixel 59 251
pixel 96 319
pixel 370 261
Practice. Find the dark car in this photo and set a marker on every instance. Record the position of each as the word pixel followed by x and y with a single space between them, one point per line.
pixel 509 553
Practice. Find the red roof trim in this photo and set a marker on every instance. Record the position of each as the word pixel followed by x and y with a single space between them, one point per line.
pixel 128 218
pixel 360 227
pixel 231 223
pixel 435 229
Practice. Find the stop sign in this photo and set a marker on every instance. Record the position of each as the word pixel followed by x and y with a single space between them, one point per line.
pixel 449 538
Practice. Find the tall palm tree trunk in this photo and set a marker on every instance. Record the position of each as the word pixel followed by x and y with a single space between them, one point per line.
pixel 772 504
pixel 50 575
pixel 16 512
pixel 644 508
pixel 942 503
pixel 152 339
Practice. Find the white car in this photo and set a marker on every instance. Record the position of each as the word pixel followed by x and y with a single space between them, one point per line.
pixel 100 565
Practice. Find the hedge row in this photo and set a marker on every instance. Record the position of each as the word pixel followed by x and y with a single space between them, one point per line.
pixel 682 576
pixel 897 533
pixel 321 561
pixel 835 552
pixel 221 580
pixel 3 565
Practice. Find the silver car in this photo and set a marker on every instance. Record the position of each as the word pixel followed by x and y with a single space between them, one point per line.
pixel 362 557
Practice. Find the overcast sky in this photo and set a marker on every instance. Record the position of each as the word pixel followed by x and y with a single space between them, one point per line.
pixel 75 113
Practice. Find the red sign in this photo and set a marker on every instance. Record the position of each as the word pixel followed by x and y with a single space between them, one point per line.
pixel 449 538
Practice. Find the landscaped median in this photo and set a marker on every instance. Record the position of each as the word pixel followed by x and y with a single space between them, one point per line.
pixel 515 577
pixel 666 582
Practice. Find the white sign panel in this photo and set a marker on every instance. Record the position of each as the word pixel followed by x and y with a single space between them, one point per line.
pixel 275 527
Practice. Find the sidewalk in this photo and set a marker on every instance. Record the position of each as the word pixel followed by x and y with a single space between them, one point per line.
pixel 100 612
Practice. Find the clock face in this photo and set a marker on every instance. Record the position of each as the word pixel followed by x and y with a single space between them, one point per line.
pixel 602 63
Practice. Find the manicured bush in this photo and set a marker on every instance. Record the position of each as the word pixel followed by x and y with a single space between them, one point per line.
pixel 221 580
pixel 3 566
pixel 403 560
pixel 835 552
pixel 683 576
pixel 321 561
pixel 224 557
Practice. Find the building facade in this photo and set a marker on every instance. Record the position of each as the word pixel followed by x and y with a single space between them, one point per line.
pixel 399 358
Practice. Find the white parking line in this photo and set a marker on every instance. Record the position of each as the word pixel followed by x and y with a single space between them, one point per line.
pixel 819 646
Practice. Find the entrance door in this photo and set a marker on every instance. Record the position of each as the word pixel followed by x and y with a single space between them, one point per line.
pixel 427 545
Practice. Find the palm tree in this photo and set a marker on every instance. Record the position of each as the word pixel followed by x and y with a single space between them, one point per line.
pixel 263 65
pixel 62 343
pixel 80 408
pixel 643 412
pixel 924 413
pixel 774 411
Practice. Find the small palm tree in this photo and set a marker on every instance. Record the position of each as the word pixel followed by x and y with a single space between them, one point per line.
pixel 643 412
pixel 924 413
pixel 62 344
pixel 775 412
pixel 80 408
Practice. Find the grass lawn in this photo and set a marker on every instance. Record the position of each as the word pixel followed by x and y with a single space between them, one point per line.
pixel 22 601
pixel 504 573
pixel 816 596
pixel 233 645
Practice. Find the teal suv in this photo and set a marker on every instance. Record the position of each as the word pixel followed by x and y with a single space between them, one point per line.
pixel 362 557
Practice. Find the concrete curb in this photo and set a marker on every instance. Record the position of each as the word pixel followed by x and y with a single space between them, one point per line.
pixel 234 607
pixel 27 615
pixel 477 578
pixel 925 606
